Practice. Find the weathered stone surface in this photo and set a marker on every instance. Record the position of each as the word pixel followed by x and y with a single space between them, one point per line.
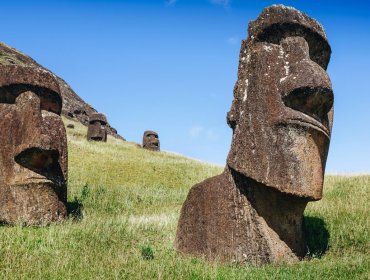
pixel 151 141
pixel 97 128
pixel 281 118
pixel 73 106
pixel 33 158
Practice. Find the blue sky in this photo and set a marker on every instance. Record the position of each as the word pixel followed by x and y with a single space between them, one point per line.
pixel 170 66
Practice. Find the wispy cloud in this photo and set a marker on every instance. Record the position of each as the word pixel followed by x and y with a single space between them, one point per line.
pixel 170 2
pixel 232 40
pixel 224 3
pixel 211 134
pixel 197 131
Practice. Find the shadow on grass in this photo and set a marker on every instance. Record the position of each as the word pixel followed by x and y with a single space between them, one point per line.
pixel 317 237
pixel 74 209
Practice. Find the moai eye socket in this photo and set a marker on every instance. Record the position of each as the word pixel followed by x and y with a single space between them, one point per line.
pixel 51 103
pixel 49 100
pixel 7 96
pixel 319 49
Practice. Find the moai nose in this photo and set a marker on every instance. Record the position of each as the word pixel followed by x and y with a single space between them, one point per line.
pixel 35 150
pixel 307 87
pixel 296 49
pixel 29 102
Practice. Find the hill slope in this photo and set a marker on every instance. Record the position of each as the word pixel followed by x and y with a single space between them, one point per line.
pixel 131 202
pixel 73 106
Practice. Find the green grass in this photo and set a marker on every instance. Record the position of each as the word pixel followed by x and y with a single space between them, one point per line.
pixel 126 202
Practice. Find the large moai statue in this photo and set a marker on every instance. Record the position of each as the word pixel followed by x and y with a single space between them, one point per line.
pixel 151 141
pixel 97 130
pixel 281 117
pixel 33 154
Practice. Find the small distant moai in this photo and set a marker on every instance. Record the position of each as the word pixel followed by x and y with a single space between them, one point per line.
pixel 33 154
pixel 97 130
pixel 151 141
pixel 281 116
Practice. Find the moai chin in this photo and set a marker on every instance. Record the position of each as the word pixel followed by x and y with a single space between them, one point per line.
pixel 97 130
pixel 33 157
pixel 281 116
pixel 151 141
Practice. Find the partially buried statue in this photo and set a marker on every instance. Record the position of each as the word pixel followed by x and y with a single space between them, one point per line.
pixel 281 118
pixel 97 130
pixel 33 154
pixel 151 141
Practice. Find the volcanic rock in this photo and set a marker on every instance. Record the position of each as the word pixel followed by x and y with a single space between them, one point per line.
pixel 33 157
pixel 151 141
pixel 281 116
pixel 97 128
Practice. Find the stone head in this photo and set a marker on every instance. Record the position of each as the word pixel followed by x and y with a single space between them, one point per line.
pixel 151 141
pixel 97 130
pixel 282 112
pixel 33 157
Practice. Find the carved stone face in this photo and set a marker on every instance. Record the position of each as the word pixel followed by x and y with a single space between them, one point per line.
pixel 151 141
pixel 97 130
pixel 33 157
pixel 282 112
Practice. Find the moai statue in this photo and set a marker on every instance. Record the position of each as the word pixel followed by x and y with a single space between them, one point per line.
pixel 281 117
pixel 33 154
pixel 97 130
pixel 151 141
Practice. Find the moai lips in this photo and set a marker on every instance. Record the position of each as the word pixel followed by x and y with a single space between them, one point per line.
pixel 97 130
pixel 151 141
pixel 33 158
pixel 281 116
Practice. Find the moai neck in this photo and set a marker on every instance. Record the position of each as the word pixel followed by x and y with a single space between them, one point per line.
pixel 282 213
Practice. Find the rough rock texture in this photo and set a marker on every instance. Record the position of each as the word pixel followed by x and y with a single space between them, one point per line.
pixel 151 141
pixel 33 158
pixel 97 130
pixel 73 106
pixel 281 118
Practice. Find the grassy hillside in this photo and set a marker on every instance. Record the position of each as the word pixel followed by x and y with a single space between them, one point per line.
pixel 125 202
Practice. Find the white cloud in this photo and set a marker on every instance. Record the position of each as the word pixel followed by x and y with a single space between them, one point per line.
pixel 224 3
pixel 195 131
pixel 170 2
pixel 211 134
pixel 232 40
